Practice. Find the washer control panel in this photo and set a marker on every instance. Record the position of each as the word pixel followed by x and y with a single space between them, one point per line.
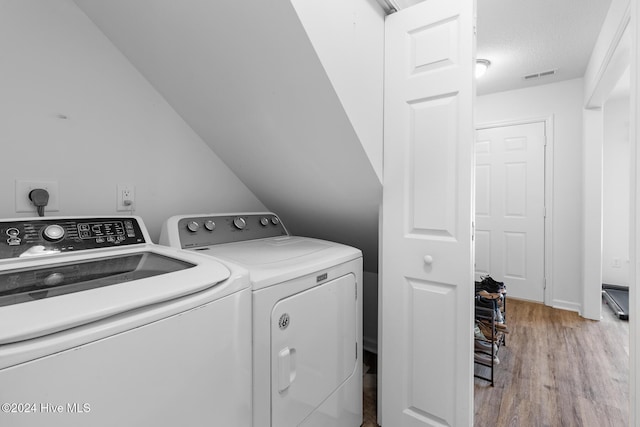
pixel 47 236
pixel 213 230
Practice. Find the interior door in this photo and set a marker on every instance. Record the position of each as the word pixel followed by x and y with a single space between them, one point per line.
pixel 427 260
pixel 509 234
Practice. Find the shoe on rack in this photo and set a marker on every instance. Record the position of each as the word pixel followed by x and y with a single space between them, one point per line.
pixel 488 295
pixel 485 358
pixel 484 302
pixel 478 334
pixel 484 346
pixel 492 286
pixel 502 328
pixel 487 331
pixel 498 316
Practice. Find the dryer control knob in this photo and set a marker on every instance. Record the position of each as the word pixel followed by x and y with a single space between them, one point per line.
pixel 53 233
pixel 193 226
pixel 209 225
pixel 275 220
pixel 264 221
pixel 240 223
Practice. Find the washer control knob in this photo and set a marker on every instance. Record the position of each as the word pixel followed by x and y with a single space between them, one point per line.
pixel 239 223
pixel 53 232
pixel 264 221
pixel 209 225
pixel 275 220
pixel 193 226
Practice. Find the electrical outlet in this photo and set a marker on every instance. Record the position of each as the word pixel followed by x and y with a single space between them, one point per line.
pixel 23 188
pixel 126 197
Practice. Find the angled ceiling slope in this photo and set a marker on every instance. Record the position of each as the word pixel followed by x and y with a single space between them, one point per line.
pixel 246 78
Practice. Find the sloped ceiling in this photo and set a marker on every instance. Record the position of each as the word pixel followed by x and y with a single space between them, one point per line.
pixel 246 78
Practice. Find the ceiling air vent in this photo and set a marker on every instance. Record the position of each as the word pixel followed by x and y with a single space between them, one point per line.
pixel 540 74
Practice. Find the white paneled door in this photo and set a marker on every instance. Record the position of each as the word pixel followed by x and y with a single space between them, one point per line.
pixel 510 207
pixel 427 261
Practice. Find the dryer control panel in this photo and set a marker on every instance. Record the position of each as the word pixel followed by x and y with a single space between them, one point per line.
pixel 210 230
pixel 31 237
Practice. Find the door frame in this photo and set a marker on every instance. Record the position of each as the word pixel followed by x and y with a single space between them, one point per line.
pixel 548 196
pixel 614 56
pixel 623 14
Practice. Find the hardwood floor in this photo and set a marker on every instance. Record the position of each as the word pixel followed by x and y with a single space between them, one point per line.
pixel 369 390
pixel 557 369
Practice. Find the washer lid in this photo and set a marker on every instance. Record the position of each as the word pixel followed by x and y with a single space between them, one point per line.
pixel 38 298
pixel 29 284
pixel 276 260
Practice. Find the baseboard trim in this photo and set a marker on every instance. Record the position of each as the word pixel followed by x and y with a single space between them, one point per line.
pixel 567 305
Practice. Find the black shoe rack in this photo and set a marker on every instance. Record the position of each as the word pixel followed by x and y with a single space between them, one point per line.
pixel 485 312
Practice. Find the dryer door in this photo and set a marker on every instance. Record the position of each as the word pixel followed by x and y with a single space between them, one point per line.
pixel 313 349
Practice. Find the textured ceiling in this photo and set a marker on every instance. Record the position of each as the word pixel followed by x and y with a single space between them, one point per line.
pixel 522 37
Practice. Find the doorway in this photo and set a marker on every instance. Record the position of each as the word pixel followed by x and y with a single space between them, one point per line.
pixel 615 200
pixel 510 207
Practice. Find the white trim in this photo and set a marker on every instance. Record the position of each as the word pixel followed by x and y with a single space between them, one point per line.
pixel 626 15
pixel 592 156
pixel 634 245
pixel 548 191
pixel 597 89
pixel 566 305
pixel 600 90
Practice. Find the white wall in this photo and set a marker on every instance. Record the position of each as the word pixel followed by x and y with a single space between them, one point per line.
pixel 245 76
pixel 563 101
pixel 349 40
pixel 118 129
pixel 616 180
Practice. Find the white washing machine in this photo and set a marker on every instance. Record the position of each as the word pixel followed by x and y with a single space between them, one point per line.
pixel 307 315
pixel 100 327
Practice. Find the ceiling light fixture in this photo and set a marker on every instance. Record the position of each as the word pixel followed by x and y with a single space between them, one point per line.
pixel 481 67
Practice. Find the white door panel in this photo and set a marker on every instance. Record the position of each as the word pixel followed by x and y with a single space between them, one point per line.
pixel 483 252
pixel 427 275
pixel 510 207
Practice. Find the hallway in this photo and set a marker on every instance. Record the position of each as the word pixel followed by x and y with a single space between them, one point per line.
pixel 558 369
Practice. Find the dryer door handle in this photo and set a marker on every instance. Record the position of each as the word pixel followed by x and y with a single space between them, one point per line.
pixel 286 368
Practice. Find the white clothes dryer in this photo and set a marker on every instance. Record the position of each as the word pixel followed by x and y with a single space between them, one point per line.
pixel 100 327
pixel 307 315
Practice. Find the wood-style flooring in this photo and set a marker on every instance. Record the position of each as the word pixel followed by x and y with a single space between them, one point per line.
pixel 556 370
pixel 369 390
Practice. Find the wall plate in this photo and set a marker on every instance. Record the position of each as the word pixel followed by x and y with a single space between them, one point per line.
pixel 125 197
